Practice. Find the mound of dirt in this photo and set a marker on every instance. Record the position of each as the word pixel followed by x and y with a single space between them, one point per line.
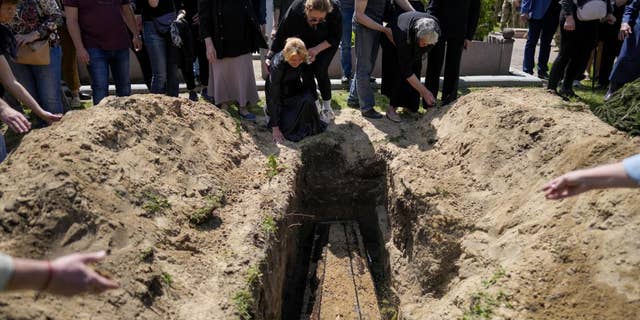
pixel 200 226
pixel 128 176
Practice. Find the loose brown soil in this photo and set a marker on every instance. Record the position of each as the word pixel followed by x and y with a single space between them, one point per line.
pixel 446 203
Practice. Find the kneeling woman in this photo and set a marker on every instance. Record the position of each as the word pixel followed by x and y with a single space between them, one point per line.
pixel 414 34
pixel 291 95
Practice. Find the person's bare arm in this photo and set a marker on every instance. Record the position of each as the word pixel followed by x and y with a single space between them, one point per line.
pixel 130 20
pixel 14 119
pixel 363 19
pixel 68 275
pixel 74 31
pixel 422 90
pixel 579 181
pixel 16 89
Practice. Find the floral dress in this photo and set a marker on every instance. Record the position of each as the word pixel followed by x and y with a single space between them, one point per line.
pixel 43 16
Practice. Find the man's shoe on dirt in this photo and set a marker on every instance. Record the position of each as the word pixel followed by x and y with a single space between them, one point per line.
pixel 371 114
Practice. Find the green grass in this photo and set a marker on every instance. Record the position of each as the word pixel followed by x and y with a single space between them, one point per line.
pixel 167 278
pixel 243 300
pixel 269 226
pixel 204 214
pixel 154 203
pixel 253 276
pixel 273 167
pixel 485 301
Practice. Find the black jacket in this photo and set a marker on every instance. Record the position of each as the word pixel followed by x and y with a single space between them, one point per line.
pixel 458 18
pixel 285 82
pixel 404 35
pixel 294 24
pixel 232 25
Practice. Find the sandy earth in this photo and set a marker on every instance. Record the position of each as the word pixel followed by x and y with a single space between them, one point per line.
pixel 466 218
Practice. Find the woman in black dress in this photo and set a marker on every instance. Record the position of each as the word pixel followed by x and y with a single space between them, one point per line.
pixel 414 34
pixel 291 95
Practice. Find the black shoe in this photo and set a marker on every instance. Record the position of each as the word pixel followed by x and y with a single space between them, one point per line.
pixel 353 105
pixel 193 96
pixel 448 100
pixel 84 96
pixel 567 93
pixel 543 76
pixel 371 114
pixel 372 80
pixel 345 79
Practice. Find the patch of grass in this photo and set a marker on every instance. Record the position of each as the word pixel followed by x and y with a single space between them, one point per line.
pixel 243 300
pixel 166 278
pixel 484 302
pixel 154 203
pixel 273 168
pixel 238 128
pixel 147 254
pixel 204 214
pixel 269 226
pixel 253 276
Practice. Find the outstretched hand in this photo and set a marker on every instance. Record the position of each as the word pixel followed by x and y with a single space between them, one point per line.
pixel 567 185
pixel 71 275
pixel 14 119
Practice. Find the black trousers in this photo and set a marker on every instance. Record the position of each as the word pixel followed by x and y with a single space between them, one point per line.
pixel 321 71
pixel 575 50
pixel 201 55
pixel 451 59
pixel 610 50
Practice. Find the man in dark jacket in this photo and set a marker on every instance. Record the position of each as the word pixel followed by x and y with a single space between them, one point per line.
pixel 458 23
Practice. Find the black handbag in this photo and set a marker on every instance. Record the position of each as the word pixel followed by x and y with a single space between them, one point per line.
pixel 162 24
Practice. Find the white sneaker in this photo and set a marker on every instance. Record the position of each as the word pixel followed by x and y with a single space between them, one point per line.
pixel 329 113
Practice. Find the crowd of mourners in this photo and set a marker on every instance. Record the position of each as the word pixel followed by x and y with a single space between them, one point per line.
pixel 211 42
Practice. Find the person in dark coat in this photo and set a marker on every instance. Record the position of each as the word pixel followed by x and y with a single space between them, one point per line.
pixel 414 34
pixel 458 22
pixel 611 43
pixel 318 23
pixel 578 38
pixel 231 32
pixel 627 67
pixel 291 95
pixel 543 17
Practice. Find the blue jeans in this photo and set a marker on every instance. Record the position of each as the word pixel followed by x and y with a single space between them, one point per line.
pixel 345 42
pixel 43 82
pixel 367 45
pixel 543 30
pixel 3 148
pixel 100 62
pixel 164 77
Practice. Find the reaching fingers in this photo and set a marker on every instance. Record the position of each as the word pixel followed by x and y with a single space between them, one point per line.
pixel 99 284
pixel 92 257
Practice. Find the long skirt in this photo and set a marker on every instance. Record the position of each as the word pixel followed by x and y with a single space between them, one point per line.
pixel 299 118
pixel 627 67
pixel 233 80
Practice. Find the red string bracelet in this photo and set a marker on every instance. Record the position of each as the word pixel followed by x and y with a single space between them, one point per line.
pixel 49 276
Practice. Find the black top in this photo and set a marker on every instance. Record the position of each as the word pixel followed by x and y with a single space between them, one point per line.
pixel 404 35
pixel 164 7
pixel 295 24
pixel 7 42
pixel 609 32
pixel 232 25
pixel 458 18
pixel 285 82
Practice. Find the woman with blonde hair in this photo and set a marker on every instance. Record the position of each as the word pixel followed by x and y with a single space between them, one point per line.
pixel 318 23
pixel 291 94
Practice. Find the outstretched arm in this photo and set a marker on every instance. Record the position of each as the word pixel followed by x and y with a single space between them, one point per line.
pixel 625 174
